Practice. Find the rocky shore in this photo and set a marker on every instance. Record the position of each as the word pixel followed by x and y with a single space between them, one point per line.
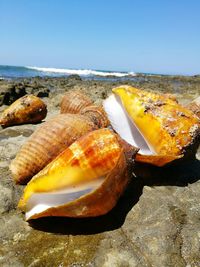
pixel 156 222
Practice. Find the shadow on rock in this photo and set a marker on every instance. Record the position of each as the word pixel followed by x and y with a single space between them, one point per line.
pixel 180 174
pixel 177 175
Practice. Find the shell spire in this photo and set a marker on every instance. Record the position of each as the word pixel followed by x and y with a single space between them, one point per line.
pixel 27 109
pixel 97 115
pixel 85 180
pixel 73 101
pixel 77 102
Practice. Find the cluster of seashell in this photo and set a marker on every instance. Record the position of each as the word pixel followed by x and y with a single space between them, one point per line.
pixel 54 136
pixel 72 162
pixel 79 167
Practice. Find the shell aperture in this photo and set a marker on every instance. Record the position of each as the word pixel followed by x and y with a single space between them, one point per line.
pixel 122 124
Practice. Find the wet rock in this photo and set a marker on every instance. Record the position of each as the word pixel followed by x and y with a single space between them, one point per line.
pixel 37 89
pixel 43 92
pixel 6 203
pixel 10 93
pixel 74 77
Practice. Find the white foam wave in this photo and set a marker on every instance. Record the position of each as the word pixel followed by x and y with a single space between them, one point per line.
pixel 82 72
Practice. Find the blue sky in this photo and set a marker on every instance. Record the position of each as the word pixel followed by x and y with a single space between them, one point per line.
pixel 156 36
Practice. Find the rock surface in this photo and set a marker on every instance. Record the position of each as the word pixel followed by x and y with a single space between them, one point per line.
pixel 156 222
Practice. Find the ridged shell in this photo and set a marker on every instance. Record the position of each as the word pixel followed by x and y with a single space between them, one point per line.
pixel 73 101
pixel 195 106
pixel 85 180
pixel 50 139
pixel 169 130
pixel 96 114
pixel 27 109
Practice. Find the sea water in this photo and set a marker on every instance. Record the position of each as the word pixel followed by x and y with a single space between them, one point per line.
pixel 8 72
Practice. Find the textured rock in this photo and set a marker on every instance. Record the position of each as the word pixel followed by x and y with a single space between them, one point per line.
pixel 10 93
pixel 155 223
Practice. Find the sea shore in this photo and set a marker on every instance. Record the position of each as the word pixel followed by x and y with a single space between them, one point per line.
pixel 155 223
pixel 184 87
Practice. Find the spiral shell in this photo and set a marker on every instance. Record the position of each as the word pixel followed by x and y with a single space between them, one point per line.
pixel 27 109
pixel 97 115
pixel 73 101
pixel 158 125
pixel 85 180
pixel 50 139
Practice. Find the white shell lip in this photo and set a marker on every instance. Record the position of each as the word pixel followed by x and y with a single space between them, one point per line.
pixel 124 126
pixel 40 202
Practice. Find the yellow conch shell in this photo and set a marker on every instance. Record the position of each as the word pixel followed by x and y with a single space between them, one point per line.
pixel 160 127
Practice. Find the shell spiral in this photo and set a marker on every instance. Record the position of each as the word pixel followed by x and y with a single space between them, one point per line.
pixel 97 115
pixel 73 101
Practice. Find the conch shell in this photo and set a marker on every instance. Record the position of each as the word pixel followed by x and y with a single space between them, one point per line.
pixel 50 139
pixel 158 125
pixel 195 106
pixel 85 180
pixel 27 109
pixel 73 101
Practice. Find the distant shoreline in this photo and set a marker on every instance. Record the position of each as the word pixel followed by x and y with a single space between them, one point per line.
pixel 13 72
pixel 185 87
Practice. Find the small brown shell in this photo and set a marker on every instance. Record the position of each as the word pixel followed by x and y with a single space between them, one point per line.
pixel 97 115
pixel 74 101
pixel 50 139
pixel 27 109
pixel 195 106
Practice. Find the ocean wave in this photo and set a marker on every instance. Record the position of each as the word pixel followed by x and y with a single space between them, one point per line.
pixel 82 72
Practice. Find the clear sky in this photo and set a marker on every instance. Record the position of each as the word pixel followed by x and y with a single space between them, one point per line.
pixel 157 36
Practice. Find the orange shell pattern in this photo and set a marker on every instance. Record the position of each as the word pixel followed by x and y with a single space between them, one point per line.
pixel 96 154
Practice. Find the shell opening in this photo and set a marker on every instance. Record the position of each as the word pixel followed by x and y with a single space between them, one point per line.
pixel 124 126
pixel 40 202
